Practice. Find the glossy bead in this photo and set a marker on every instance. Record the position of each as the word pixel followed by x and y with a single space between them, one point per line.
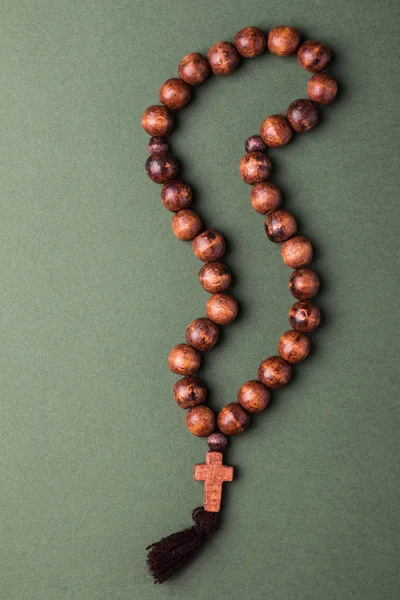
pixel 276 131
pixel 274 372
pixel 280 226
pixel 217 442
pixel 304 317
pixel 184 360
pixel 222 309
pixel 200 420
pixel 294 346
pixel 250 41
pixel 161 166
pixel 233 419
pixel 176 195
pixel 297 252
pixel 157 144
pixel 255 167
pixel 157 120
pixel 174 93
pixel 193 68
pixel 215 277
pixel 253 396
pixel 189 392
pixel 322 88
pixel 186 224
pixel 209 246
pixel 313 56
pixel 202 334
pixel 254 143
pixel 303 284
pixel 283 40
pixel 302 115
pixel 223 58
pixel 265 197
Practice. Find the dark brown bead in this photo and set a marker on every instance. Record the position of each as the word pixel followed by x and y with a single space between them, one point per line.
pixel 174 93
pixel 294 346
pixel 313 56
pixel 193 68
pixel 184 360
pixel 254 143
pixel 283 40
pixel 176 195
pixel 217 442
pixel 157 120
pixel 233 419
pixel 200 420
pixel 255 167
pixel 186 224
pixel 250 41
pixel 189 392
pixel 304 317
pixel 202 334
pixel 157 144
pixel 302 115
pixel 265 197
pixel 223 58
pixel 161 166
pixel 215 277
pixel 303 284
pixel 274 372
pixel 280 226
pixel 276 131
pixel 297 252
pixel 209 246
pixel 322 88
pixel 221 308
pixel 253 396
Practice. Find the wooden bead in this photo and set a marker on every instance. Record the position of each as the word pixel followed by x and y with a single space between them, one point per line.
pixel 186 224
pixel 157 144
pixel 294 346
pixel 174 93
pixel 176 195
pixel 250 41
pixel 322 88
pixel 304 317
pixel 217 442
pixel 265 197
pixel 189 392
pixel 193 68
pixel 302 115
pixel 280 226
pixel 222 309
pixel 303 284
pixel 157 120
pixel 254 143
pixel 200 420
pixel 253 396
pixel 276 131
pixel 223 58
pixel 161 166
pixel 202 334
pixel 209 246
pixel 184 360
pixel 313 56
pixel 233 419
pixel 283 40
pixel 215 277
pixel 255 167
pixel 274 372
pixel 297 252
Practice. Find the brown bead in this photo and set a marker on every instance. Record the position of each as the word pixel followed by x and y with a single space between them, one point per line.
pixel 303 284
pixel 253 396
pixel 322 88
pixel 302 115
pixel 255 167
pixel 294 346
pixel 233 419
pixel 176 195
pixel 174 93
pixel 276 131
pixel 250 41
pixel 283 40
pixel 209 246
pixel 217 442
pixel 202 334
pixel 161 166
pixel 189 392
pixel 280 226
pixel 265 197
pixel 222 309
pixel 297 252
pixel 193 68
pixel 254 143
pixel 313 56
pixel 215 277
pixel 274 372
pixel 186 224
pixel 304 317
pixel 184 360
pixel 157 120
pixel 200 420
pixel 223 58
pixel 157 144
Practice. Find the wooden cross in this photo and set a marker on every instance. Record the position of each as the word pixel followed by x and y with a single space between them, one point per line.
pixel 213 473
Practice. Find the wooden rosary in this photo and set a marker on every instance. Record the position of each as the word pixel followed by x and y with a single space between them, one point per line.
pixel 177 550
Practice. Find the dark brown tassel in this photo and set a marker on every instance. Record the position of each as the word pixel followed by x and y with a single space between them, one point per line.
pixel 178 549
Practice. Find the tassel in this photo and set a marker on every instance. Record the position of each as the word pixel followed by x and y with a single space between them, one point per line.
pixel 174 552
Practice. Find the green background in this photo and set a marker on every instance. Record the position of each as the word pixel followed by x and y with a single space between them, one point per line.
pixel 95 461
